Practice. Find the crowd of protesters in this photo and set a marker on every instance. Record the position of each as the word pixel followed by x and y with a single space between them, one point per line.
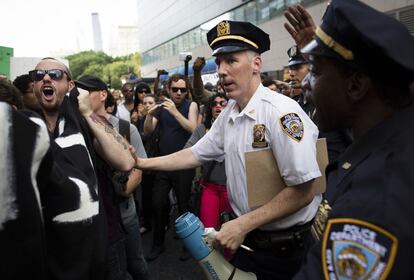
pixel 87 170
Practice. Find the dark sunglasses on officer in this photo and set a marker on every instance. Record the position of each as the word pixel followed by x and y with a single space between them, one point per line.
pixel 54 74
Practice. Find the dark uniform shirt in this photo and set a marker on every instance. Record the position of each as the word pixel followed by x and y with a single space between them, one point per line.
pixel 371 192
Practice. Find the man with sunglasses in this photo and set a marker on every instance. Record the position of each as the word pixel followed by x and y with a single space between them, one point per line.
pixel 75 232
pixel 256 119
pixel 177 118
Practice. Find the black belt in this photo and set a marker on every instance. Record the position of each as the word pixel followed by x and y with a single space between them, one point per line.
pixel 280 240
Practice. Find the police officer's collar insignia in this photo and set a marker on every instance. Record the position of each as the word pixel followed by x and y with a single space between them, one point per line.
pixel 292 125
pixel 346 165
pixel 259 133
pixel 321 218
pixel 355 249
pixel 223 28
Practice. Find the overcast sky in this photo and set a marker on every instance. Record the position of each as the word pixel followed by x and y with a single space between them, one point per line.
pixel 38 28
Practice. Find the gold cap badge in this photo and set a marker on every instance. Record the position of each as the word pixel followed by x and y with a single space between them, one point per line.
pixel 223 28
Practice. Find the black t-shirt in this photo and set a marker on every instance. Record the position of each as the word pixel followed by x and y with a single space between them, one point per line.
pixel 172 135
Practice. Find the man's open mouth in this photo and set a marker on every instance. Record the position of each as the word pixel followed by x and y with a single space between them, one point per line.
pixel 48 92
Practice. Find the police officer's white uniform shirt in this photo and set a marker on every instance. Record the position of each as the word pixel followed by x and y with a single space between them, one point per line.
pixel 231 136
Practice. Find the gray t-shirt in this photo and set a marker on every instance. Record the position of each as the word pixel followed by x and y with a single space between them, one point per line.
pixel 127 207
pixel 213 169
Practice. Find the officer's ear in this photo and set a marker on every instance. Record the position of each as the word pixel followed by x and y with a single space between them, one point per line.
pixel 257 63
pixel 358 86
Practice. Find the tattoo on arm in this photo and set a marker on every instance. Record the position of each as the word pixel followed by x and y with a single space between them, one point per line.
pixel 108 129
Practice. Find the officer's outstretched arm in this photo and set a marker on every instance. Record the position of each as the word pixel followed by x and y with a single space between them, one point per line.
pixel 183 159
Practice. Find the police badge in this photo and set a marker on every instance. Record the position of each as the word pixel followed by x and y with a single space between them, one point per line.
pixel 223 28
pixel 259 133
pixel 292 125
pixel 356 249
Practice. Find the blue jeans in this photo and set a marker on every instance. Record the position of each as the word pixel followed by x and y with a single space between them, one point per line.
pixel 136 264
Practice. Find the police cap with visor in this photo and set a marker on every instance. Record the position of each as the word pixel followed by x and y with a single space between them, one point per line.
pixel 295 56
pixel 365 39
pixel 233 36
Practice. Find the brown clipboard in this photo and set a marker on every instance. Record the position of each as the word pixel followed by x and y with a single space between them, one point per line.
pixel 263 176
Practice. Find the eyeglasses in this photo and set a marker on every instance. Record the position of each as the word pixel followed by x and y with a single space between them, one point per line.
pixel 182 89
pixel 142 91
pixel 54 74
pixel 222 103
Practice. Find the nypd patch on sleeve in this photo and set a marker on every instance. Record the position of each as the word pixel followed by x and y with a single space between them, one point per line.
pixel 355 249
pixel 292 125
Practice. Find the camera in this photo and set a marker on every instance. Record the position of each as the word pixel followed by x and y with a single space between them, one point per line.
pixel 185 56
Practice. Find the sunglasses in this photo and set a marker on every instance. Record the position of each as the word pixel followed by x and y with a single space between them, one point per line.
pixel 222 103
pixel 142 91
pixel 176 89
pixel 54 74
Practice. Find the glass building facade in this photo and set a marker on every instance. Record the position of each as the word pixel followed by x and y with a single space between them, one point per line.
pixel 256 12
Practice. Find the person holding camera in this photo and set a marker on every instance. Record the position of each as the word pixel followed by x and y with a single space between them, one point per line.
pixel 176 117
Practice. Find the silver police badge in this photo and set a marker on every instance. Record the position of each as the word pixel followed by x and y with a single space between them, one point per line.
pixel 293 126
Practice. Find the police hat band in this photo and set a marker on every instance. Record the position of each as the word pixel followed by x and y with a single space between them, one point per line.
pixel 334 45
pixel 234 37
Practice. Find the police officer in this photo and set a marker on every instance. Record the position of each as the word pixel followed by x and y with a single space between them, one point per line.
pixel 277 230
pixel 366 224
pixel 298 69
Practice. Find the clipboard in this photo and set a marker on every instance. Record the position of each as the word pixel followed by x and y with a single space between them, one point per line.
pixel 263 177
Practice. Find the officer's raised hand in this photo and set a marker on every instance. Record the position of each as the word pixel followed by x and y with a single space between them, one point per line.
pixel 301 26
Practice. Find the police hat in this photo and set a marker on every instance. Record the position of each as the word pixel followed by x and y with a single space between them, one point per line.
pixel 295 56
pixel 365 38
pixel 232 36
pixel 89 82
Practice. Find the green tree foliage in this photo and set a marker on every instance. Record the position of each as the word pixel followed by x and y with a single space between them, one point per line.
pixel 109 69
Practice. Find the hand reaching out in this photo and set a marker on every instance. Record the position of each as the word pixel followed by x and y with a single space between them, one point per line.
pixel 301 26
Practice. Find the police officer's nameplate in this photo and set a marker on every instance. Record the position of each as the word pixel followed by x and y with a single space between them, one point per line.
pixel 259 136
